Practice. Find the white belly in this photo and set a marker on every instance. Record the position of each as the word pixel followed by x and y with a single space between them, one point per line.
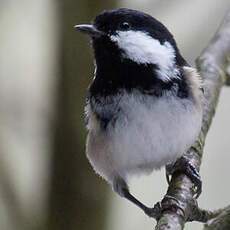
pixel 146 135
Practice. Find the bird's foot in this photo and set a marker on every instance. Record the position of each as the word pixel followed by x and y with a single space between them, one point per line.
pixel 185 166
pixel 174 205
pixel 154 212
pixel 169 203
pixel 121 187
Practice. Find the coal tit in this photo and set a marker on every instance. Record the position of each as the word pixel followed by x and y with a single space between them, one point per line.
pixel 144 105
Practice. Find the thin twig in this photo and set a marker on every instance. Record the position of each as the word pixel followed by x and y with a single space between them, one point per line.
pixel 220 222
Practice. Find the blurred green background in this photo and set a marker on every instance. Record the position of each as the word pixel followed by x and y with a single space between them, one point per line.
pixel 46 182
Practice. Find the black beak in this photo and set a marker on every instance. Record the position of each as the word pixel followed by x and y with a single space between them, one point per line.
pixel 91 30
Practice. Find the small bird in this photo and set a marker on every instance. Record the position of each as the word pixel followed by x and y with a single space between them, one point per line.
pixel 144 105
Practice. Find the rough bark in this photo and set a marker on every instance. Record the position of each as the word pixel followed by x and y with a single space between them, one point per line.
pixel 212 65
pixel 220 222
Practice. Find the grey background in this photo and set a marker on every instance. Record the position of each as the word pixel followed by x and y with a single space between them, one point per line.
pixel 29 37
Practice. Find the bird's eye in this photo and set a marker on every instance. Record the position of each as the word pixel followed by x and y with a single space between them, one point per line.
pixel 125 26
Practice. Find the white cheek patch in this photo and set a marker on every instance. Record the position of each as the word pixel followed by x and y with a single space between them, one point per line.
pixel 143 49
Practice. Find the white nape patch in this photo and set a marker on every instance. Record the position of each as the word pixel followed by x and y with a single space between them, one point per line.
pixel 143 49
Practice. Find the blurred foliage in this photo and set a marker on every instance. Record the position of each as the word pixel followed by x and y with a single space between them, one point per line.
pixel 77 197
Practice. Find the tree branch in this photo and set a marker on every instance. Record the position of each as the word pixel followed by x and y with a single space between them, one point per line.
pixel 220 222
pixel 179 205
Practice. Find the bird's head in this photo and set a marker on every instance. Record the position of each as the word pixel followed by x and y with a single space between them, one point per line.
pixel 125 35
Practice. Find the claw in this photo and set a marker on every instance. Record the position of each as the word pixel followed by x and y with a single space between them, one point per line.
pixel 194 175
pixel 168 177
pixel 168 172
pixel 185 166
